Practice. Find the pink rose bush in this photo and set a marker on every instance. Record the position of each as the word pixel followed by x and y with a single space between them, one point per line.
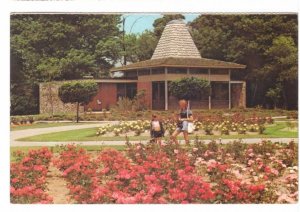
pixel 236 172
pixel 201 173
pixel 28 177
pixel 114 178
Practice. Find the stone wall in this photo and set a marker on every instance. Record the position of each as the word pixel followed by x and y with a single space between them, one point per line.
pixel 49 99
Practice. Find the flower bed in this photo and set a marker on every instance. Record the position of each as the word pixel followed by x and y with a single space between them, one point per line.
pixel 28 177
pixel 203 173
pixel 208 125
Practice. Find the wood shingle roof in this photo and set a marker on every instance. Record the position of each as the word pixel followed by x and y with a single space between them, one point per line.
pixel 176 41
pixel 176 48
pixel 180 62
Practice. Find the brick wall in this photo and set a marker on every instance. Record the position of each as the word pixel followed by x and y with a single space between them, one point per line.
pixel 107 95
pixel 147 86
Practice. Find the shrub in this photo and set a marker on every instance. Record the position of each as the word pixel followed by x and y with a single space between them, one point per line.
pixel 28 177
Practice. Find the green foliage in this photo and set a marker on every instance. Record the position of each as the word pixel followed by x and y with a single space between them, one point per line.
pixel 56 47
pixel 138 103
pixel 189 87
pixel 138 47
pixel 73 92
pixel 274 94
pixel 77 92
pixel 267 44
pixel 160 23
pixel 291 125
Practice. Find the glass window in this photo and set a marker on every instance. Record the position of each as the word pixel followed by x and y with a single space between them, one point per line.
pixel 144 72
pixel 220 91
pixel 121 90
pixel 158 95
pixel 219 71
pixel 131 74
pixel 126 90
pixel 198 71
pixel 158 71
pixel 177 70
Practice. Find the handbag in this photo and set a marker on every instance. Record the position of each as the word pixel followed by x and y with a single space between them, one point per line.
pixel 191 126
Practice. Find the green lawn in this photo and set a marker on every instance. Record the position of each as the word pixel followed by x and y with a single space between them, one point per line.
pixel 42 125
pixel 277 130
pixel 56 148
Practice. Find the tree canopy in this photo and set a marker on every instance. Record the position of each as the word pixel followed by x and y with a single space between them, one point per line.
pixel 267 44
pixel 48 47
pixel 77 92
pixel 188 87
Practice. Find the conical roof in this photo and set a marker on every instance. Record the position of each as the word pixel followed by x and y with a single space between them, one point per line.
pixel 176 41
pixel 176 48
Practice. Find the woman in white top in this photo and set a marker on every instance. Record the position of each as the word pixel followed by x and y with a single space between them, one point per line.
pixel 183 118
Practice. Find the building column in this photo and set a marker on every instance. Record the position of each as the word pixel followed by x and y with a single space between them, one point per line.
pixel 244 94
pixel 209 96
pixel 166 89
pixel 229 90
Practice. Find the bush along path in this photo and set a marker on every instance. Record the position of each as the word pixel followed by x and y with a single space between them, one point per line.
pixel 202 173
pixel 28 177
pixel 236 172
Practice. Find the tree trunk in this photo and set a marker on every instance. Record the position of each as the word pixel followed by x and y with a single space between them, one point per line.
pixel 254 94
pixel 77 117
pixel 284 97
pixel 51 99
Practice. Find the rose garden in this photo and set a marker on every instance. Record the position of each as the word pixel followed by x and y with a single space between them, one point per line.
pixel 104 116
pixel 213 171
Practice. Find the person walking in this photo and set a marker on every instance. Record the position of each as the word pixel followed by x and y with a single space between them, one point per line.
pixel 183 118
pixel 156 129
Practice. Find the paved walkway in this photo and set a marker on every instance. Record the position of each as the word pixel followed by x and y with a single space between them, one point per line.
pixel 17 134
pixel 116 143
pixel 14 135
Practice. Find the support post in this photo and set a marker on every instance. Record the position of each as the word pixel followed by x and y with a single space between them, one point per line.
pixel 229 90
pixel 209 97
pixel 166 89
pixel 244 94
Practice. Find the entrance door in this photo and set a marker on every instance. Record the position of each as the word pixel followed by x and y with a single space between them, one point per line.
pixel 158 95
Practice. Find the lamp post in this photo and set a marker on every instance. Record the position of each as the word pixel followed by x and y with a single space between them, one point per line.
pixel 123 35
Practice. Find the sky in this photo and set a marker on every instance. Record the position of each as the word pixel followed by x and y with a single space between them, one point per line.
pixel 137 23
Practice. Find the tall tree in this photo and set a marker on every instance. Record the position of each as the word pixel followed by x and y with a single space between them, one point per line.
pixel 246 39
pixel 140 47
pixel 70 45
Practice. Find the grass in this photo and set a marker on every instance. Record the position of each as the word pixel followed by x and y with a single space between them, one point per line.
pixel 277 130
pixel 41 125
pixel 55 149
pixel 134 115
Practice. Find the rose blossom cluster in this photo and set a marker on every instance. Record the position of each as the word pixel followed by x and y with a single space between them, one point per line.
pixel 28 177
pixel 114 178
pixel 172 174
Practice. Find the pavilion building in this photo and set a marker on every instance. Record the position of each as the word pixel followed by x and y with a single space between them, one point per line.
pixel 176 56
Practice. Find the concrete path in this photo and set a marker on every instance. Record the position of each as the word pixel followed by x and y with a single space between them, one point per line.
pixel 116 143
pixel 17 134
pixel 14 135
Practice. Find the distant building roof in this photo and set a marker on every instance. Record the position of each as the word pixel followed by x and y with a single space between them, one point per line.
pixel 180 62
pixel 176 41
pixel 176 48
